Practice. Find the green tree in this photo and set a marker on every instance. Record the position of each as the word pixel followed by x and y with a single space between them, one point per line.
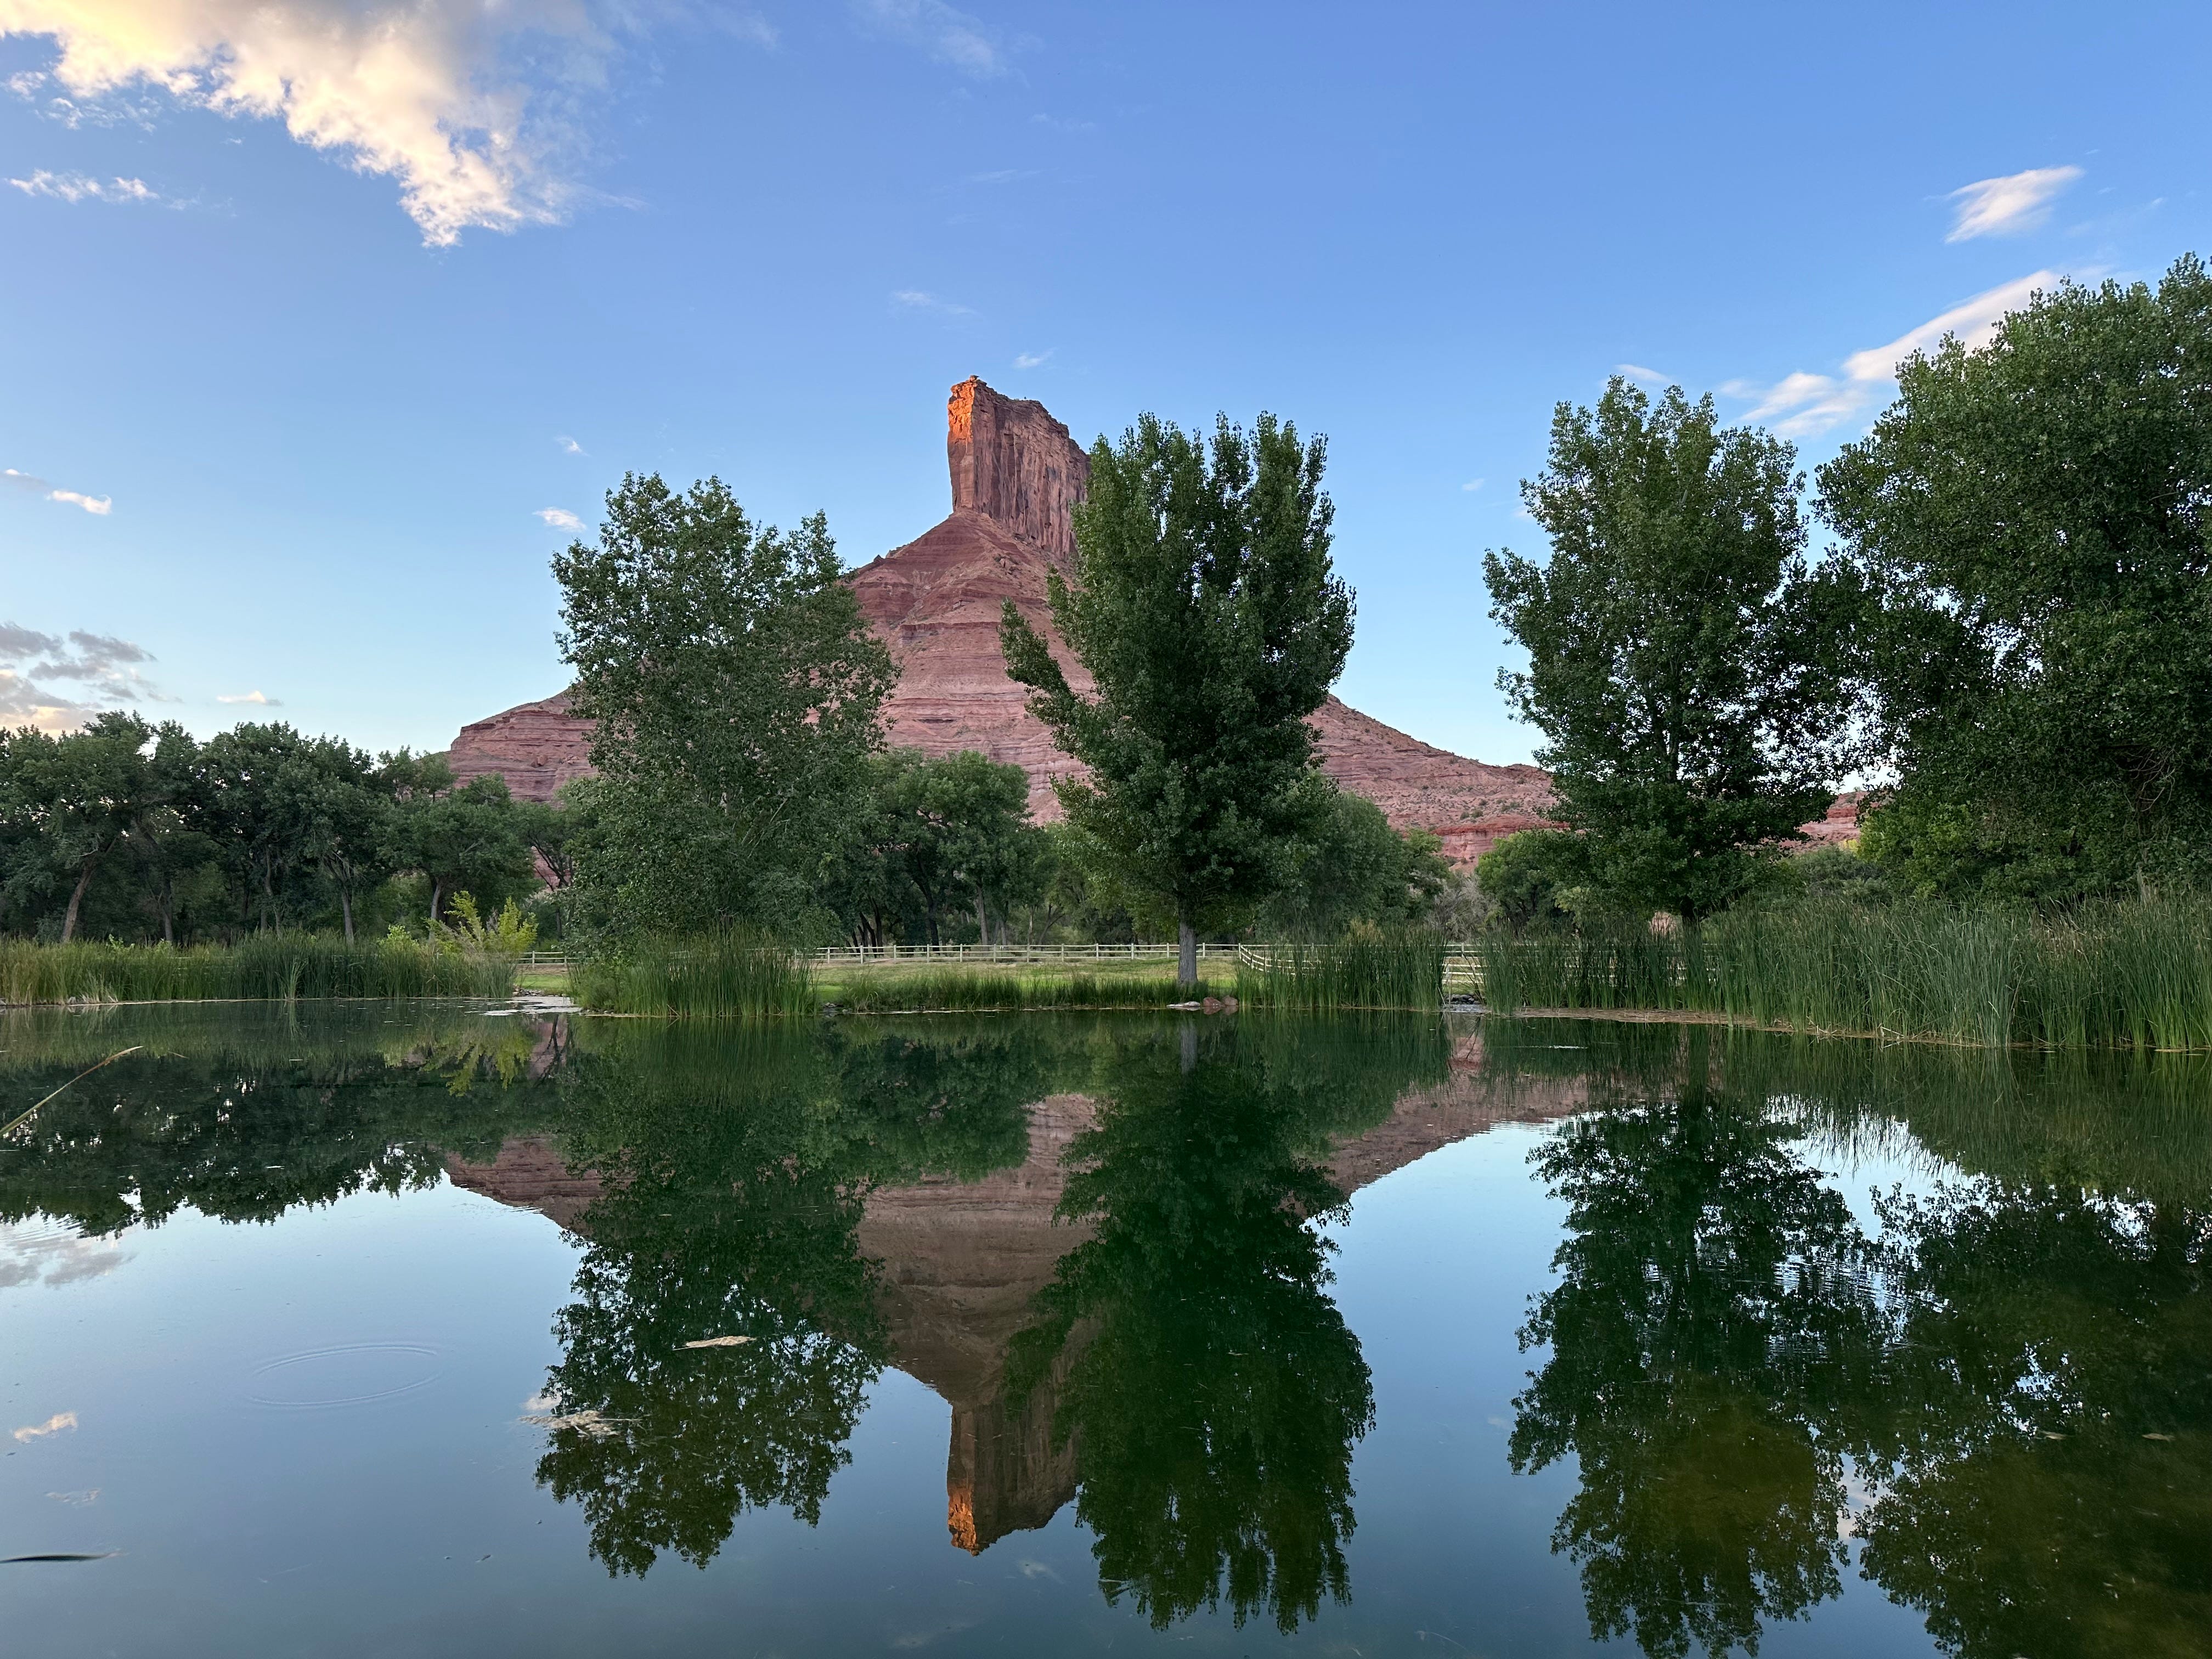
pixel 2031 516
pixel 466 837
pixel 1531 875
pixel 1685 668
pixel 1353 866
pixel 344 800
pixel 80 795
pixel 1208 615
pixel 736 688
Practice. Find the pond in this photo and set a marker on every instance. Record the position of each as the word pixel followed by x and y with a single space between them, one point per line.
pixel 429 1329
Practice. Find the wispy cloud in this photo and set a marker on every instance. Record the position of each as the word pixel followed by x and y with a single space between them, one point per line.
pixel 464 104
pixel 1032 360
pixel 99 506
pixel 83 187
pixel 1804 404
pixel 1472 485
pixel 913 298
pixel 945 34
pixel 55 1425
pixel 560 518
pixel 2007 206
pixel 106 669
pixel 569 445
pixel 258 698
pixel 1637 372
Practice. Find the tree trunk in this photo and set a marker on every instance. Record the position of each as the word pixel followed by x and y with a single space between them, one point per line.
pixel 77 898
pixel 1186 953
pixel 345 906
pixel 437 898
pixel 168 909
pixel 982 921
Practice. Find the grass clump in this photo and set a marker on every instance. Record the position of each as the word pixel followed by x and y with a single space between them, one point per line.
pixel 959 991
pixel 726 976
pixel 282 967
pixel 2135 973
pixel 1376 971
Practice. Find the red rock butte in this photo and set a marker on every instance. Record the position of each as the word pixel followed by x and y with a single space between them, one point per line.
pixel 1015 477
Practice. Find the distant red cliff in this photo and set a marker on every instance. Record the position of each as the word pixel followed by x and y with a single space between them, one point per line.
pixel 1016 475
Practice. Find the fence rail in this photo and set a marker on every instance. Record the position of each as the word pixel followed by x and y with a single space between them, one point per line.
pixel 869 954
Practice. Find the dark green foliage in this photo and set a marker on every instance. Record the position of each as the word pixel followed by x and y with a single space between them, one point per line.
pixel 1531 877
pixel 933 844
pixel 1216 1390
pixel 1685 666
pixel 735 686
pixel 1206 610
pixel 1351 866
pixel 1710 1342
pixel 2031 517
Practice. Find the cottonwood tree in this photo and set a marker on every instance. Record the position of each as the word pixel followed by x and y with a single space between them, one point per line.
pixel 83 793
pixel 736 690
pixel 2033 517
pixel 1684 664
pixel 1207 611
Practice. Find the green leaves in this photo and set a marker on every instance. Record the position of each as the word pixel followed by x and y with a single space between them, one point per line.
pixel 1207 614
pixel 736 688
pixel 1685 666
pixel 2031 516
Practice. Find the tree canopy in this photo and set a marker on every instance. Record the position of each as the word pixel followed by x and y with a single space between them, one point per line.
pixel 2032 517
pixel 735 689
pixel 1207 613
pixel 1685 666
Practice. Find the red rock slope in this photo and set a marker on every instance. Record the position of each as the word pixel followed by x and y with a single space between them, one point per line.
pixel 1015 473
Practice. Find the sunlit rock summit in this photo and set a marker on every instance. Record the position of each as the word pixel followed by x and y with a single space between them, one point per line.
pixel 1016 475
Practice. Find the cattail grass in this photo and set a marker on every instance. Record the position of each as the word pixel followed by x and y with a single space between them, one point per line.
pixel 732 975
pixel 276 969
pixel 1401 972
pixel 2135 973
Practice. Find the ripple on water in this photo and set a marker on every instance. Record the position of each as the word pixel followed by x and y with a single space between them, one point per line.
pixel 353 1374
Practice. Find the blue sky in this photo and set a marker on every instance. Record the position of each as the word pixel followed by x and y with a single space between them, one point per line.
pixel 315 306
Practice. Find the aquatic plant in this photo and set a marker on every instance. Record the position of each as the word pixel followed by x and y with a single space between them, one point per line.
pixel 1366 970
pixel 735 975
pixel 280 968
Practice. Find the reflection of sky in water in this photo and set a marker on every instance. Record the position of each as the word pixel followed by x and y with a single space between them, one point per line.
pixel 38 1252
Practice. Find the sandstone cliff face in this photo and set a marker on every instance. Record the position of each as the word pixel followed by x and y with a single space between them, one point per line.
pixel 1016 475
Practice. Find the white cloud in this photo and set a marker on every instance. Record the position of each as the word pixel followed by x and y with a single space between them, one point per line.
pixel 2007 206
pixel 99 506
pixel 258 699
pixel 82 187
pixel 1804 404
pixel 569 445
pixel 430 93
pixel 54 1424
pixel 38 1254
pixel 1472 485
pixel 106 666
pixel 1032 359
pixel 913 298
pixel 950 37
pixel 1637 372
pixel 560 518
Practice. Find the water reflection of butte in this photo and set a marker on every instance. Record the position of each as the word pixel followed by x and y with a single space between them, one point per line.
pixel 962 1262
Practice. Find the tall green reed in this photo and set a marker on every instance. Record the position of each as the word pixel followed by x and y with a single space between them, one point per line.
pixel 279 968
pixel 728 976
pixel 1403 971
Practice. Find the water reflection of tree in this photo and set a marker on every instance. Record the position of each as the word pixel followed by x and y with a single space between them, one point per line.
pixel 1712 1337
pixel 2048 1334
pixel 1217 1391
pixel 1725 1345
pixel 736 1165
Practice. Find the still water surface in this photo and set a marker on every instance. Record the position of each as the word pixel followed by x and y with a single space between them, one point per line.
pixel 371 1331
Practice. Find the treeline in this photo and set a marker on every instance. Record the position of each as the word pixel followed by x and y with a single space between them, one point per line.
pixel 2003 629
pixel 137 832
